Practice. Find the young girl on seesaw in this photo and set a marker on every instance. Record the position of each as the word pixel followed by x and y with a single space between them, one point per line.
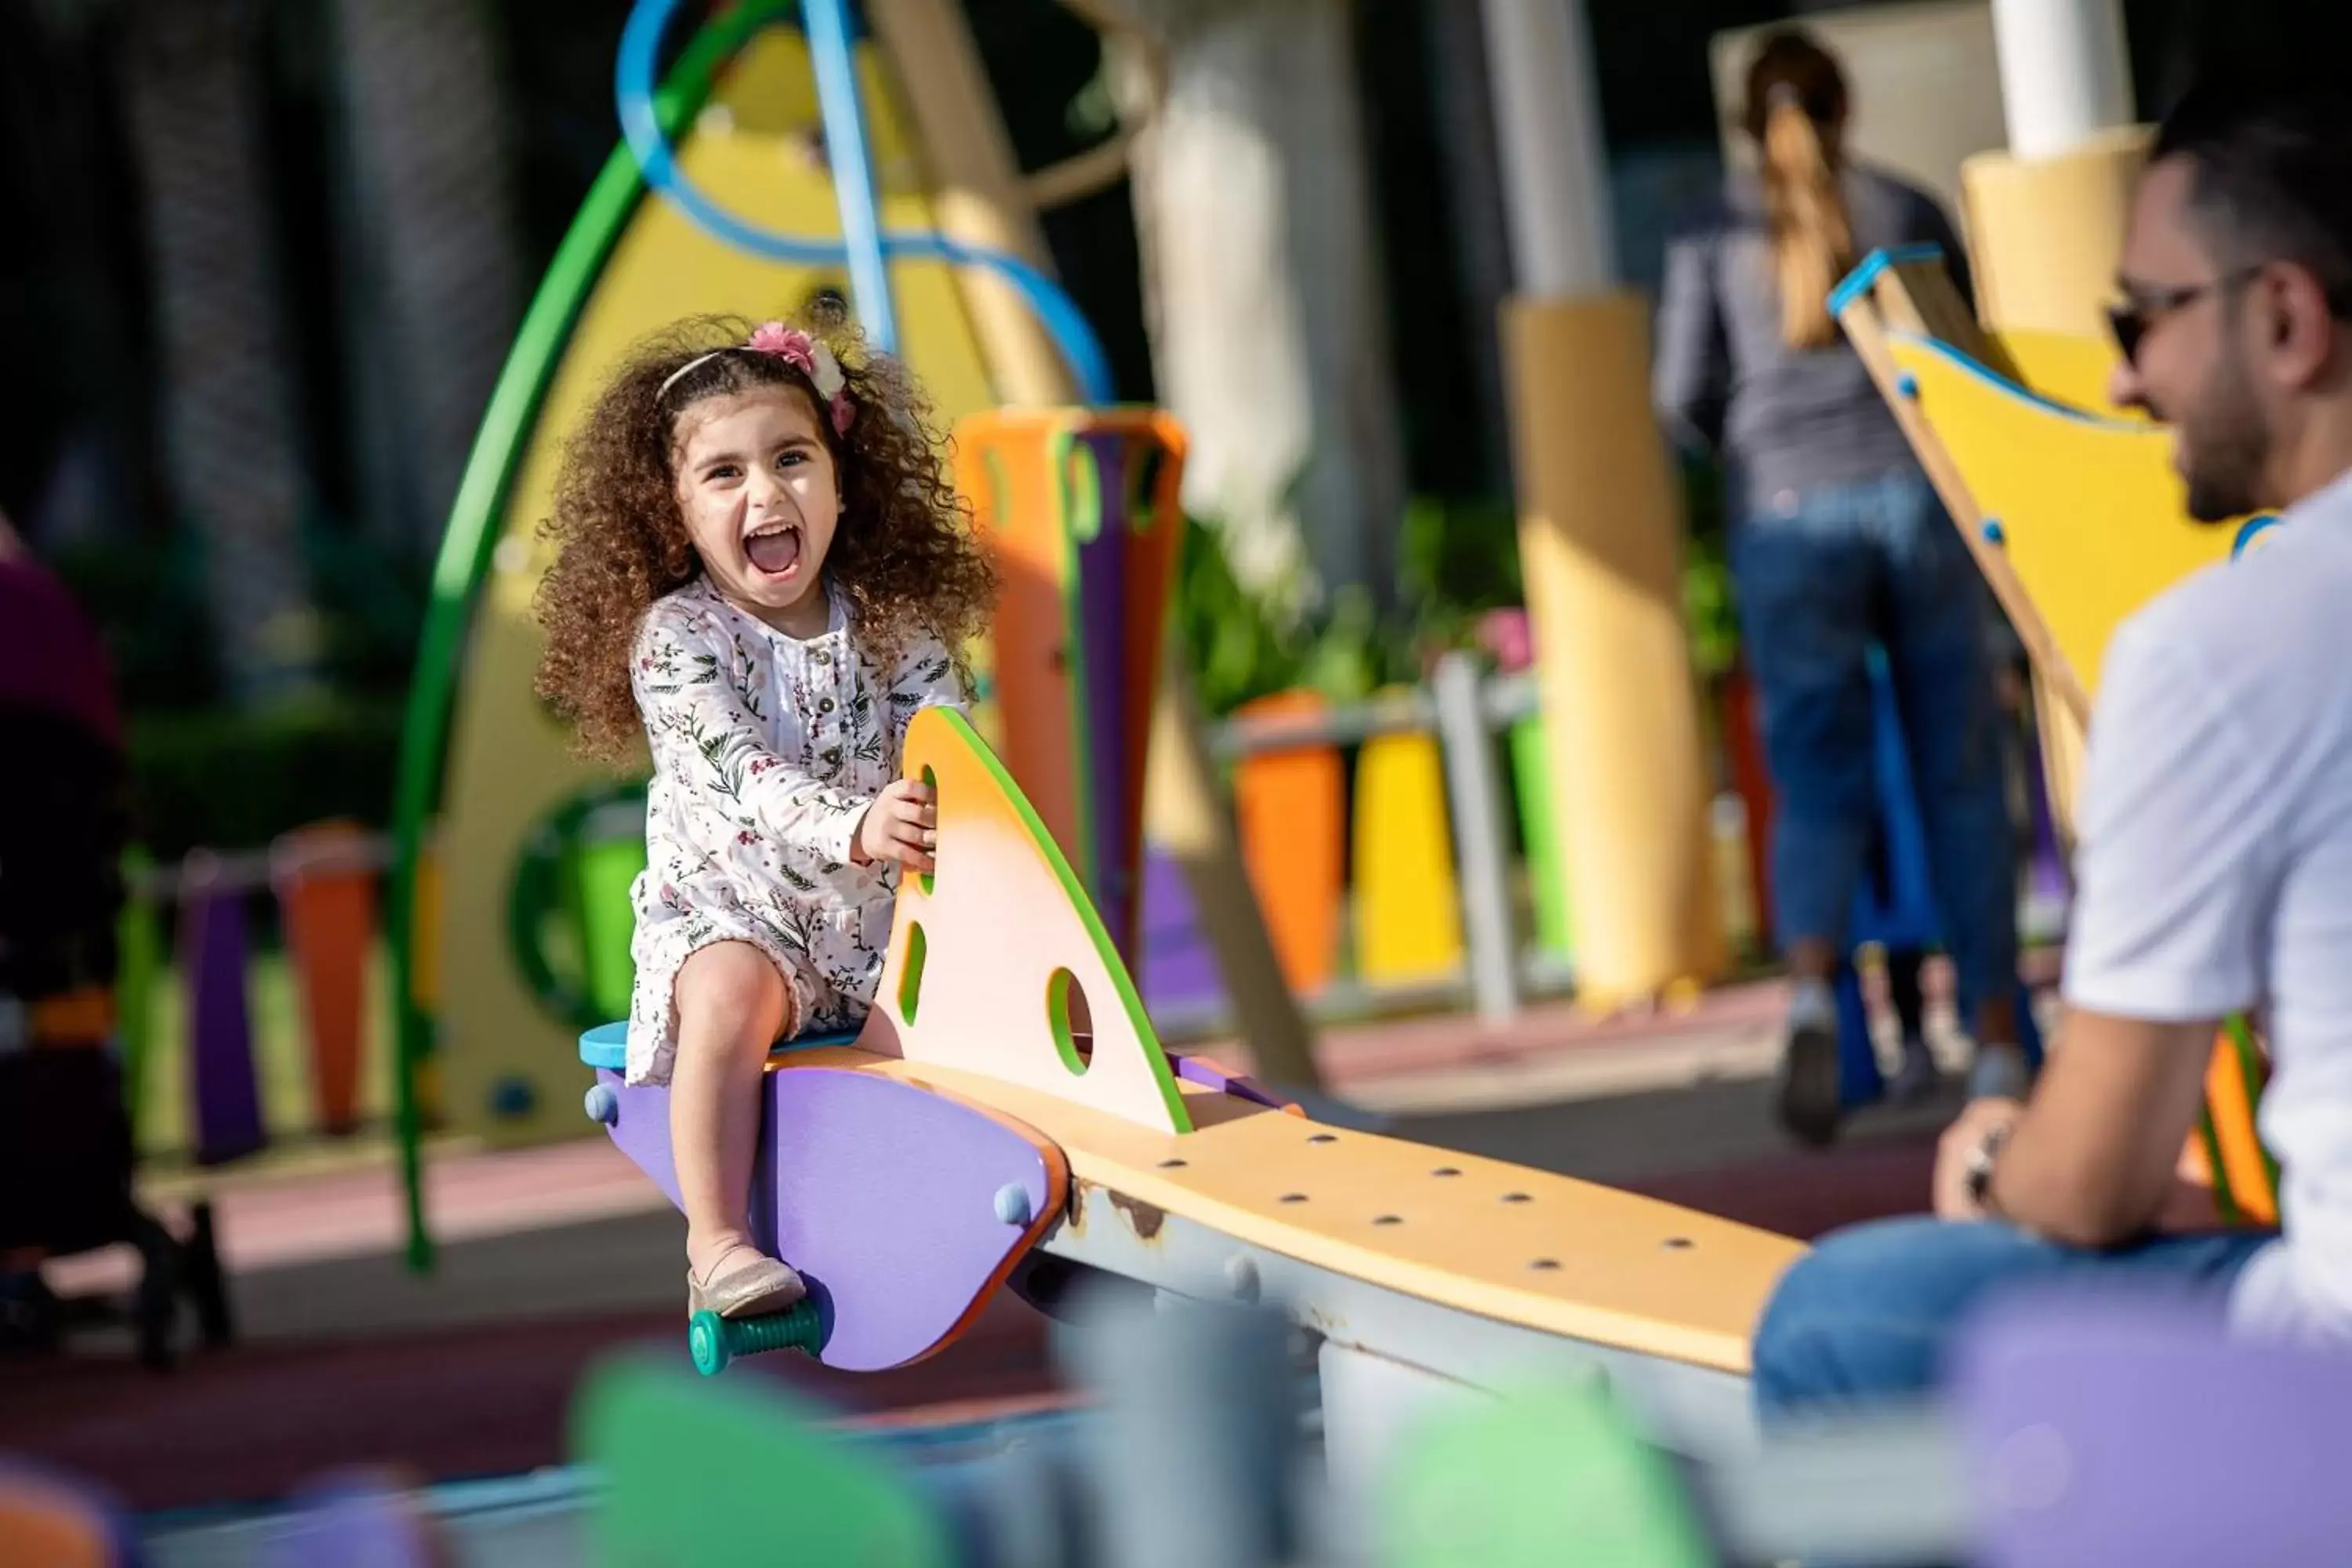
pixel 762 569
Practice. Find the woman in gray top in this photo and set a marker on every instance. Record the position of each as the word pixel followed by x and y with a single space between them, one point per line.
pixel 1838 544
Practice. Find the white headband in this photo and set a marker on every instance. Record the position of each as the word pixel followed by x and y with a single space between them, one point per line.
pixel 795 348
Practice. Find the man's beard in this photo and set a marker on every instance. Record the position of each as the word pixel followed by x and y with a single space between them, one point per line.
pixel 2225 447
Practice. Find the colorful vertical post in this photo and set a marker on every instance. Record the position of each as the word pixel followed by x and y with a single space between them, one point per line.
pixel 138 966
pixel 1087 569
pixel 221 1073
pixel 325 883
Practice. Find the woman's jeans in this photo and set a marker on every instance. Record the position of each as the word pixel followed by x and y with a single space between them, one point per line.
pixel 1821 577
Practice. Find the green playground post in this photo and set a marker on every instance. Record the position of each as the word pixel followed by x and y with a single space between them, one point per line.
pixel 139 967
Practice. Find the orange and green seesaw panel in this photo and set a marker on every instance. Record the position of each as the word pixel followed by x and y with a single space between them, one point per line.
pixel 998 963
pixel 1006 466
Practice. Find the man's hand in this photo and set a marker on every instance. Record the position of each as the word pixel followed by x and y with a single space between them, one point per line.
pixel 901 826
pixel 1959 1145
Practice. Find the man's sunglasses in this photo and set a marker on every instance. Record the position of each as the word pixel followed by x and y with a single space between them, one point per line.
pixel 2130 320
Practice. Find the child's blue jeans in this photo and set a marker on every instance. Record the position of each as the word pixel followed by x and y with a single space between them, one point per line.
pixel 1822 576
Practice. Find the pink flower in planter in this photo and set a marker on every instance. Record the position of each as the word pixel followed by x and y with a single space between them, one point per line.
pixel 1508 637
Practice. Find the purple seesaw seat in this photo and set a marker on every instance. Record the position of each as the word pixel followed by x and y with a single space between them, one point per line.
pixel 902 1209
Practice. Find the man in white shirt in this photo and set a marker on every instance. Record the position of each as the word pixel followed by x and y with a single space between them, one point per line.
pixel 2215 863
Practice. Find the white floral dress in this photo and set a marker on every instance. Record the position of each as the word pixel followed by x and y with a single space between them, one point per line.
pixel 767 750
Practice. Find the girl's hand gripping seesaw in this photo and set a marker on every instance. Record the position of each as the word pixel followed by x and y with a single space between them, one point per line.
pixel 901 826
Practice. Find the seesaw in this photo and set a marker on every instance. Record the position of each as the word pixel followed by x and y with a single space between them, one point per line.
pixel 1008 1117
pixel 2076 517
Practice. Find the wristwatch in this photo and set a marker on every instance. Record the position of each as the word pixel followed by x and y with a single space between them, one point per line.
pixel 1979 1175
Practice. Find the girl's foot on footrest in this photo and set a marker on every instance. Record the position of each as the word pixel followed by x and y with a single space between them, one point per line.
pixel 746 1283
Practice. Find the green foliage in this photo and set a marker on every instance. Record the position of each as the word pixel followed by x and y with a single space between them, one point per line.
pixel 228 780
pixel 371 605
pixel 202 773
pixel 1709 609
pixel 1243 647
pixel 148 603
pixel 1457 560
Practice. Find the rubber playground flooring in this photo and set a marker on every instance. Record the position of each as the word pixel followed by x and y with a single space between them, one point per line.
pixel 554 1257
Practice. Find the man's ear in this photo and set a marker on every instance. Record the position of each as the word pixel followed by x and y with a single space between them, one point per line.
pixel 2303 327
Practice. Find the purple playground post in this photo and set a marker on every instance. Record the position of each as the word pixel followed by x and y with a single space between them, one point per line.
pixel 349 1519
pixel 2048 872
pixel 1179 968
pixel 1102 642
pixel 226 1092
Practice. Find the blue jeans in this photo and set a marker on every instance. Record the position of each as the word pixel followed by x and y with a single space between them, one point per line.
pixel 1867 1316
pixel 1820 578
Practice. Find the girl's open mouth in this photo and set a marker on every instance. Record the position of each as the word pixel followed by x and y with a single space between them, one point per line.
pixel 774 549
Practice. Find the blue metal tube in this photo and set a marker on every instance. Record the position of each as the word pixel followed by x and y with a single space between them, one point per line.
pixel 633 90
pixel 827 22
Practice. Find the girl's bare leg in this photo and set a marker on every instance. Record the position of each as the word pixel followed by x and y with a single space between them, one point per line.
pixel 731 1005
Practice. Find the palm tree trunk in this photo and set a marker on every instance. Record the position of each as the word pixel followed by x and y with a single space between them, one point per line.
pixel 189 81
pixel 1269 336
pixel 433 236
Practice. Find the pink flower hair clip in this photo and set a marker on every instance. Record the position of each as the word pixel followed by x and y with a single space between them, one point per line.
pixel 813 360
pixel 795 348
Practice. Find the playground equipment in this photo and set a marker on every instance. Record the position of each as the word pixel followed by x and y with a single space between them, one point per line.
pixel 757 122
pixel 628 266
pixel 1037 1134
pixel 2076 518
pixel 1081 507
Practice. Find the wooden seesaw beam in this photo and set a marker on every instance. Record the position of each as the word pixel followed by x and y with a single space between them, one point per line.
pixel 1423 1272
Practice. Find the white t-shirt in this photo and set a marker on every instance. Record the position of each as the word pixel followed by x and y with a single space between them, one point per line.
pixel 2215 864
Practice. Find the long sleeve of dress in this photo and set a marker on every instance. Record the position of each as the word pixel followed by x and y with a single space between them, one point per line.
pixel 926 677
pixel 702 709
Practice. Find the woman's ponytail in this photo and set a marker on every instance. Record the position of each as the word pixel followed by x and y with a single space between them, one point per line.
pixel 1796 96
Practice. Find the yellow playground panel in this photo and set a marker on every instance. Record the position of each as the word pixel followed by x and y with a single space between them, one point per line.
pixel 1408 903
pixel 2077 517
pixel 2072 508
pixel 505 1056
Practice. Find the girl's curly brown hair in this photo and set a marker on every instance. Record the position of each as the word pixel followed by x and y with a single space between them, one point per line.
pixel 905 554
